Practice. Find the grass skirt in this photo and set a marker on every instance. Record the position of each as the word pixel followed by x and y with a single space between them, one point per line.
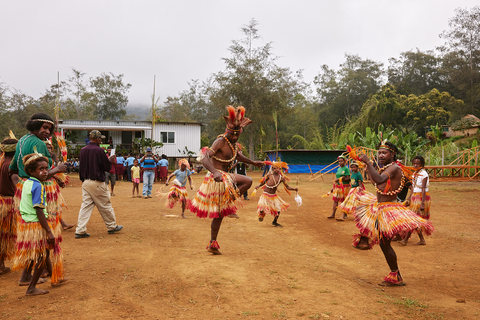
pixel 270 204
pixel 384 220
pixel 8 228
pixel 356 197
pixel 339 193
pixel 416 201
pixel 32 238
pixel 215 199
pixel 176 194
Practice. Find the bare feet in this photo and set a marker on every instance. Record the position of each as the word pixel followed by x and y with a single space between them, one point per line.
pixel 4 270
pixel 36 292
pixel 389 284
pixel 234 216
pixel 420 243
pixel 184 216
pixel 331 217
pixel 24 284
pixel 403 242
pixel 213 250
pixel 60 282
pixel 67 226
pixel 44 274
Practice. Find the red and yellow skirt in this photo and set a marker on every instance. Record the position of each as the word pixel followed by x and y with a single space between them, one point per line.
pixel 384 220
pixel 356 197
pixel 270 204
pixel 8 228
pixel 215 199
pixel 340 192
pixel 176 194
pixel 32 238
pixel 416 202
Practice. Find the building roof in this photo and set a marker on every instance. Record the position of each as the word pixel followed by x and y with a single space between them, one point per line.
pixel 113 125
pixel 304 150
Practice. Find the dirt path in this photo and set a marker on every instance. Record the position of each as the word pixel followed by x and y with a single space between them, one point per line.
pixel 158 268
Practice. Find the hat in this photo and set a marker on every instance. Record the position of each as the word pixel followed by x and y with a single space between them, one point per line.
pixel 95 134
pixel 149 149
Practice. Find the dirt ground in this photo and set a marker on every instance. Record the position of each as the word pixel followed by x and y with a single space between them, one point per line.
pixel 158 268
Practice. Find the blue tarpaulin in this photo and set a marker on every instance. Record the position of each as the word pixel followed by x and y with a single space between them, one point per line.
pixel 299 160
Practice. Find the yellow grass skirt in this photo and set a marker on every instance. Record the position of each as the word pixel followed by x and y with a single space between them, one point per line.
pixel 340 192
pixel 176 194
pixel 356 197
pixel 215 199
pixel 270 204
pixel 384 220
pixel 416 202
pixel 32 238
pixel 8 228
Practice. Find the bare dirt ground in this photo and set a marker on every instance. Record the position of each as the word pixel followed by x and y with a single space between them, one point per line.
pixel 158 268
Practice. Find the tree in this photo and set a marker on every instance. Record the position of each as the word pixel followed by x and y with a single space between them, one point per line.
pixel 416 72
pixel 253 79
pixel 342 93
pixel 461 56
pixel 110 96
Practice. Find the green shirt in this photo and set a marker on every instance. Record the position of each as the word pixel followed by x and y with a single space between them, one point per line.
pixel 33 196
pixel 356 177
pixel 343 172
pixel 25 146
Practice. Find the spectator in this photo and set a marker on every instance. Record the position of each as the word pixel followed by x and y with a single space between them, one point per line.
pixel 95 192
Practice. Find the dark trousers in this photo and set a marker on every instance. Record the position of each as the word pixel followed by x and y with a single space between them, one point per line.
pixel 129 173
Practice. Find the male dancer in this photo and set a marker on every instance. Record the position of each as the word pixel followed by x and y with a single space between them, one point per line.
pixel 381 220
pixel 217 195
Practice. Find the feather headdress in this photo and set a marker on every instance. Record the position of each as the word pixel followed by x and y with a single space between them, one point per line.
pixel 236 120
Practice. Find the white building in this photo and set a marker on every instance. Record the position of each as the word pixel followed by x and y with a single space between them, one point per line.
pixel 175 136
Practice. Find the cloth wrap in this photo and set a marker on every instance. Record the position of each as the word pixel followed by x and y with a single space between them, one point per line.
pixel 383 220
pixel 270 204
pixel 32 238
pixel 215 199
pixel 8 228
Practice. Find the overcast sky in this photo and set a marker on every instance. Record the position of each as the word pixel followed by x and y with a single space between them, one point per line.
pixel 182 40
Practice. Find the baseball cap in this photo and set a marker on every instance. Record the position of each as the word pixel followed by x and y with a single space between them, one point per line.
pixel 149 149
pixel 95 134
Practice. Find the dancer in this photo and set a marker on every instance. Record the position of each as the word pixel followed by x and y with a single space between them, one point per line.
pixel 220 190
pixel 178 192
pixel 40 127
pixel 135 178
pixel 269 202
pixel 419 201
pixel 8 222
pixel 380 220
pixel 341 186
pixel 35 239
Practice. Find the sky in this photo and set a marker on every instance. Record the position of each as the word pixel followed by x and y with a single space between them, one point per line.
pixel 181 40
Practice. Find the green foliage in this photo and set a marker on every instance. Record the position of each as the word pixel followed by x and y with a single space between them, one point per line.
pixel 187 153
pixel 140 145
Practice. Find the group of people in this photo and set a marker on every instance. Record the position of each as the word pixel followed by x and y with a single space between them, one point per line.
pixel 31 202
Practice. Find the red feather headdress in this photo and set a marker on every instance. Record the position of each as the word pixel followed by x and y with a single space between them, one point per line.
pixel 236 120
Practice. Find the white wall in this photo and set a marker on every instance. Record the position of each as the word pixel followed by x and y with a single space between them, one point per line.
pixel 185 135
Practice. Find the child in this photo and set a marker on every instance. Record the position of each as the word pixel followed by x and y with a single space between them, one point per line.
pixel 135 177
pixel 357 191
pixel 178 192
pixel 35 238
pixel 269 202
pixel 419 201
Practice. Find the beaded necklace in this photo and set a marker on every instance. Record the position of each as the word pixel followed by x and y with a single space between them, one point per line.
pixel 234 150
pixel 276 183
pixel 392 192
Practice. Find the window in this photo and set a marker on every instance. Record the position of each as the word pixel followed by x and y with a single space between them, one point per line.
pixel 167 137
pixel 138 134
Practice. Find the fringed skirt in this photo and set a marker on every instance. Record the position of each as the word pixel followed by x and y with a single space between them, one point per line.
pixel 8 228
pixel 29 241
pixel 270 204
pixel 356 197
pixel 384 220
pixel 176 194
pixel 340 192
pixel 416 202
pixel 215 199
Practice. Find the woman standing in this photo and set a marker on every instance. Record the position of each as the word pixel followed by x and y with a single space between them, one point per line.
pixel 341 186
